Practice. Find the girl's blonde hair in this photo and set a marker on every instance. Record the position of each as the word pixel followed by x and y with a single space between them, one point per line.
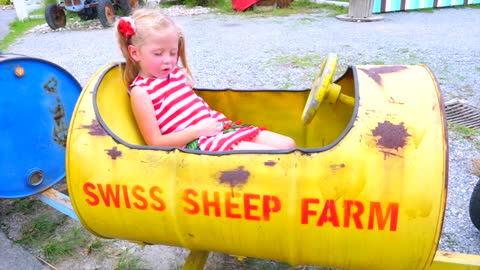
pixel 147 22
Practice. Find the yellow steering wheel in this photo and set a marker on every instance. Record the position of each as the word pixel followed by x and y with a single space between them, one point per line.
pixel 320 87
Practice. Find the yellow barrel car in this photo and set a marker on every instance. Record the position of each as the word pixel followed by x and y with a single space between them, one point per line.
pixel 366 189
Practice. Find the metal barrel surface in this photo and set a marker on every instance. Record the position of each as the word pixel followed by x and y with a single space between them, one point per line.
pixel 37 101
pixel 366 189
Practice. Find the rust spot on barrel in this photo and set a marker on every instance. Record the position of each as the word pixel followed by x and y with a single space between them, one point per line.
pixel 95 129
pixel 391 136
pixel 337 166
pixel 60 128
pixel 376 72
pixel 114 153
pixel 270 163
pixel 235 178
pixel 51 85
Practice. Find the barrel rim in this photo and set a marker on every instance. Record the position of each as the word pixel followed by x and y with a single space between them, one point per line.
pixel 201 152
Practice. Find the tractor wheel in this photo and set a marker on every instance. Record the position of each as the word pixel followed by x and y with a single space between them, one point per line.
pixel 55 16
pixel 475 206
pixel 106 13
pixel 127 6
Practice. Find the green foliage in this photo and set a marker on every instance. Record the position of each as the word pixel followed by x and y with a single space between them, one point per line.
pixel 25 205
pixel 40 229
pixel 460 131
pixel 5 2
pixel 295 61
pixel 129 262
pixel 66 243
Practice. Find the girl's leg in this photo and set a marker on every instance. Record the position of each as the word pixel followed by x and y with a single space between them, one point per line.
pixel 274 140
pixel 245 145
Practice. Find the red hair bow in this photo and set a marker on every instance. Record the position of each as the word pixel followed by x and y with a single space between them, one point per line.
pixel 126 27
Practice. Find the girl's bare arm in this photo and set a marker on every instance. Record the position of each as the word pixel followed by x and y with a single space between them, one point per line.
pixel 147 123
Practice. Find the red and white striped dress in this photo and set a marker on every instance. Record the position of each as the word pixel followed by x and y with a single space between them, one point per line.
pixel 177 107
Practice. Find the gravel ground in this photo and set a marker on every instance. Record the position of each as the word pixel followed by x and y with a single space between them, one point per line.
pixel 246 52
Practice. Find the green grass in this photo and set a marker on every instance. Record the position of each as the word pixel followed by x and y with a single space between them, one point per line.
pixel 461 132
pixel 129 261
pixel 295 61
pixel 25 206
pixel 18 29
pixel 66 244
pixel 475 6
pixel 40 229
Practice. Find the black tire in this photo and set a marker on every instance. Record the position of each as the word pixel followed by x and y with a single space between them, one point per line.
pixel 55 16
pixel 475 206
pixel 106 13
pixel 87 14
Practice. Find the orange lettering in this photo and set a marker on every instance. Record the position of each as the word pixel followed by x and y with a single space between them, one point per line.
pixel 248 207
pixel 207 204
pixel 266 206
pixel 325 217
pixel 109 195
pixel 195 207
pixel 125 196
pixel 161 203
pixel 139 197
pixel 229 205
pixel 306 211
pixel 376 211
pixel 355 215
pixel 93 196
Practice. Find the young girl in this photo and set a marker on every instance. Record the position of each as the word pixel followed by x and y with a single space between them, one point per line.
pixel 167 110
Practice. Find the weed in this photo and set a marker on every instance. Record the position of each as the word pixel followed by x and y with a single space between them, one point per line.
pixel 475 6
pixel 426 10
pixel 97 245
pixel 129 262
pixel 460 131
pixel 40 229
pixel 25 206
pixel 378 62
pixel 294 61
pixel 66 243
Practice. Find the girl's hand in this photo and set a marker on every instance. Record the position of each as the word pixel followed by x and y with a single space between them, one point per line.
pixel 208 127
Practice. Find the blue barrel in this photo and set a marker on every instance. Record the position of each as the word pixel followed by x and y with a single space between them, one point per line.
pixel 36 104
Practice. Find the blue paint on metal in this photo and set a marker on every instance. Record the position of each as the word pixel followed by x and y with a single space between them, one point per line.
pixel 36 104
pixel 395 5
pixel 377 6
pixel 65 209
pixel 414 4
pixel 428 3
